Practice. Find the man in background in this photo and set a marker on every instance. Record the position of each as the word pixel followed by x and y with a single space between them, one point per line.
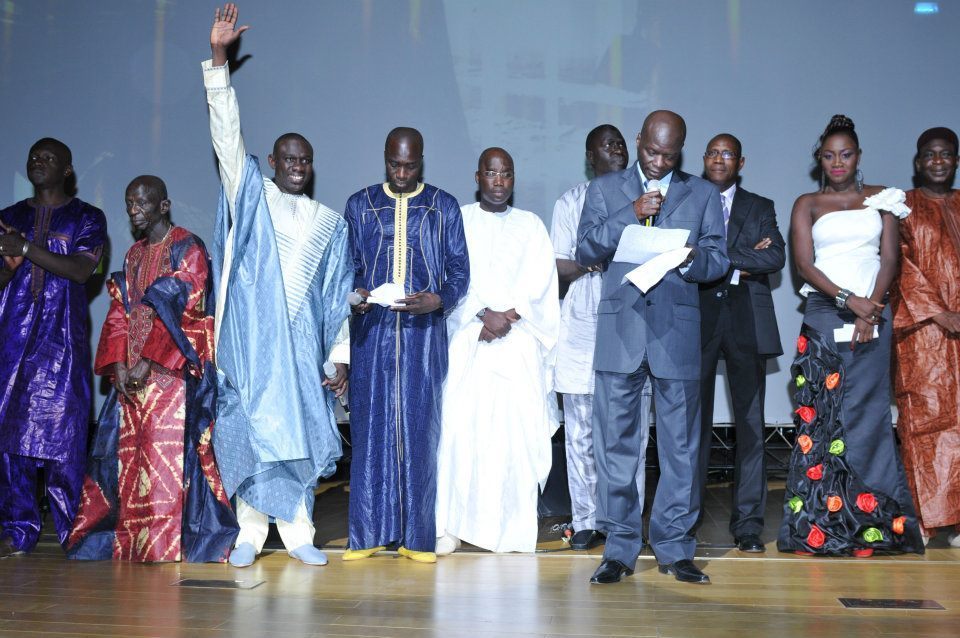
pixel 50 245
pixel 407 243
pixel 499 410
pixel 738 322
pixel 606 151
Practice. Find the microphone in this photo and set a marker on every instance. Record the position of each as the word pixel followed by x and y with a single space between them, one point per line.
pixel 355 298
pixel 652 186
pixel 330 371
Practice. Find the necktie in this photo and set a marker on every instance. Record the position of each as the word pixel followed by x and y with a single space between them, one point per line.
pixel 726 214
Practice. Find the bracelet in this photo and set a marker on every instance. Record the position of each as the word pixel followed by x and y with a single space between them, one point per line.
pixel 841 299
pixel 26 247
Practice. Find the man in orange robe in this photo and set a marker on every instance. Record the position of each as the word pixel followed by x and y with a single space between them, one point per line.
pixel 926 320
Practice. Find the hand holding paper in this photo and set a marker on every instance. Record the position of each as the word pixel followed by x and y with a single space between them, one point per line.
pixel 647 275
pixel 638 244
pixel 387 295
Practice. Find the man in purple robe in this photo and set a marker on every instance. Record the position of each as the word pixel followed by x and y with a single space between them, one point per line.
pixel 50 245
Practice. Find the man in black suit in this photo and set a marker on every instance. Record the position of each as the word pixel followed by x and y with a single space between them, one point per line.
pixel 737 321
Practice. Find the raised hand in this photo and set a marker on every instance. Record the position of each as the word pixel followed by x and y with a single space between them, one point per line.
pixel 224 32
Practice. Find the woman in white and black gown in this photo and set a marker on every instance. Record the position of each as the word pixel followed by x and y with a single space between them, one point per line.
pixel 846 491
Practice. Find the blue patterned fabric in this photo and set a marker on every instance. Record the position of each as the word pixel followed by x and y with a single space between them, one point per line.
pixel 276 433
pixel 398 363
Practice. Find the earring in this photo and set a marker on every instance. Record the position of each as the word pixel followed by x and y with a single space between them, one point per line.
pixel 823 181
pixel 859 178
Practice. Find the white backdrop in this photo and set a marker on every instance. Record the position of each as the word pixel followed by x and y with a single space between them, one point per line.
pixel 119 81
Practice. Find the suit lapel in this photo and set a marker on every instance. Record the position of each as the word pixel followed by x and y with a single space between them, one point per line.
pixel 631 186
pixel 739 211
pixel 678 191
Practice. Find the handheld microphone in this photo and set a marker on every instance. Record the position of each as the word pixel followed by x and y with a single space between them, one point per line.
pixel 330 371
pixel 652 186
pixel 354 298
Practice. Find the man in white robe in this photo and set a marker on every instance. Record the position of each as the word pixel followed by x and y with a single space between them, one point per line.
pixel 284 274
pixel 606 151
pixel 499 409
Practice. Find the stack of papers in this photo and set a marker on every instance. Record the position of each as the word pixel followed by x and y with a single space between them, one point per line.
pixel 657 251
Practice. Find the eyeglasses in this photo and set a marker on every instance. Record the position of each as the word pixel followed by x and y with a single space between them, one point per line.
pixel 496 174
pixel 714 153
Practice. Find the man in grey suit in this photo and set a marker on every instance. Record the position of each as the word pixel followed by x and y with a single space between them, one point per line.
pixel 655 335
pixel 737 320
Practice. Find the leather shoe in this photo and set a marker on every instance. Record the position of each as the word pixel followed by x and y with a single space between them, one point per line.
pixel 610 571
pixel 750 543
pixel 586 539
pixel 685 571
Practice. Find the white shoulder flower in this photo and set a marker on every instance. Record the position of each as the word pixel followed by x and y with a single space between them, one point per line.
pixel 891 200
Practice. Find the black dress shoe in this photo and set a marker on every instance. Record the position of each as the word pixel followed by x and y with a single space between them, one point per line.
pixel 750 543
pixel 586 539
pixel 684 571
pixel 610 571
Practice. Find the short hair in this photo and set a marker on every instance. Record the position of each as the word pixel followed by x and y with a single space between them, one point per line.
pixel 404 133
pixel 598 131
pixel 733 140
pixel 664 114
pixel 59 147
pixel 290 136
pixel 488 151
pixel 839 124
pixel 153 182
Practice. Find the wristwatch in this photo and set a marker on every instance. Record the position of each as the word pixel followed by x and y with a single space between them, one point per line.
pixel 481 313
pixel 841 299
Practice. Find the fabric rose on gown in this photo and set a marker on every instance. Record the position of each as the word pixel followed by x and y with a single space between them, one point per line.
pixel 889 199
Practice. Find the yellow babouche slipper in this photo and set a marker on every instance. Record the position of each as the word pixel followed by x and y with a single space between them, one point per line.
pixel 420 557
pixel 359 554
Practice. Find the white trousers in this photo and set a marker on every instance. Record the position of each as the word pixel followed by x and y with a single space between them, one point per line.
pixel 255 525
pixel 581 467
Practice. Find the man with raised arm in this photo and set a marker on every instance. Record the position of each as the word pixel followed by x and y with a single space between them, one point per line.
pixel 50 245
pixel 283 273
pixel 407 243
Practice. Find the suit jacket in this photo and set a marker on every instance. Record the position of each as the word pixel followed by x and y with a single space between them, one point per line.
pixel 664 323
pixel 752 218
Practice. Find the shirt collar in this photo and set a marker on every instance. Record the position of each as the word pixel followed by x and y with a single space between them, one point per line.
pixel 664 181
pixel 728 194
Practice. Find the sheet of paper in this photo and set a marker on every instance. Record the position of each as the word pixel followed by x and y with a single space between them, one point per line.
pixel 649 274
pixel 387 294
pixel 638 244
pixel 845 334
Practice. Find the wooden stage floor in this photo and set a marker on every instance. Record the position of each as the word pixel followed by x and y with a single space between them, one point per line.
pixel 483 595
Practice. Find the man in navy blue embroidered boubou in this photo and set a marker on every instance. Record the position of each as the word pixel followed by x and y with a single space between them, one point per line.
pixel 653 335
pixel 281 263
pixel 408 249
